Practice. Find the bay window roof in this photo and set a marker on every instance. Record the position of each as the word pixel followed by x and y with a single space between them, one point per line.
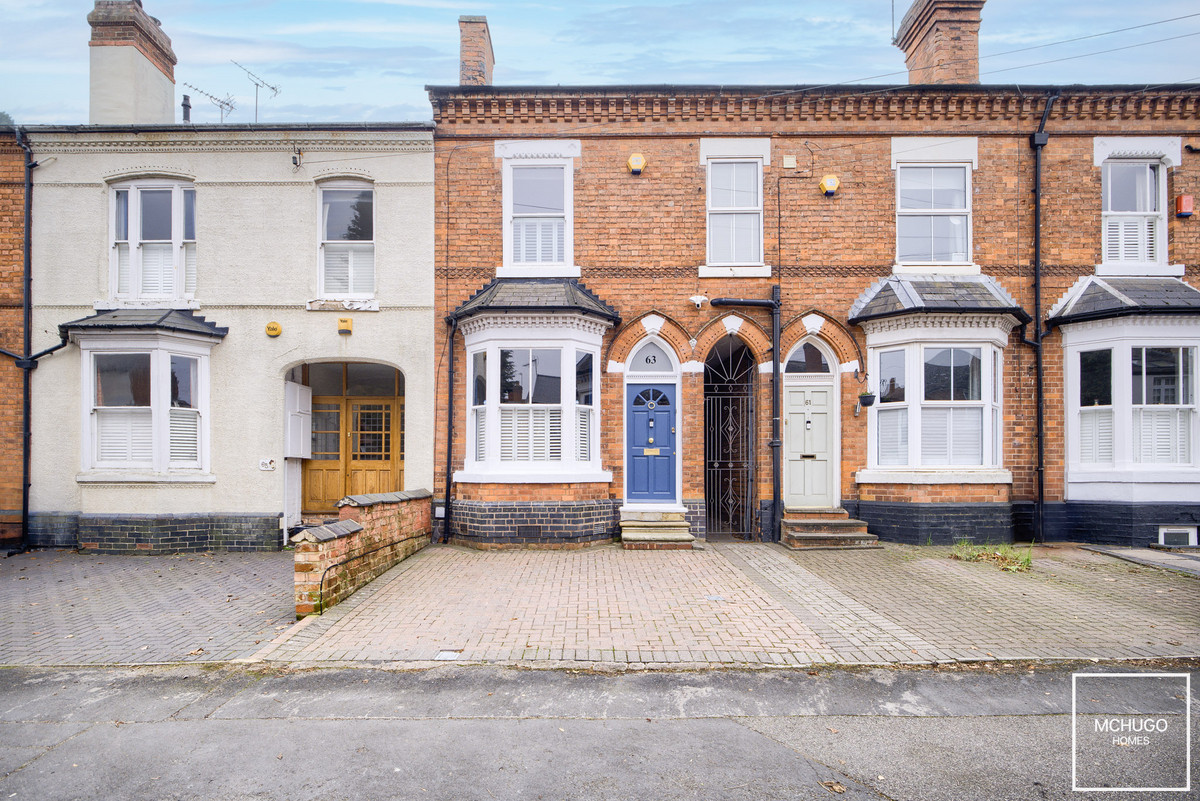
pixel 1096 298
pixel 935 294
pixel 173 320
pixel 532 295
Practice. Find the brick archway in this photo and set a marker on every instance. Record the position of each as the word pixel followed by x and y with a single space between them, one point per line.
pixel 813 323
pixel 750 332
pixel 654 324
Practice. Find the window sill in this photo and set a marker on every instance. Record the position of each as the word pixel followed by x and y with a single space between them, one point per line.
pixel 140 477
pixel 539 271
pixel 936 268
pixel 146 303
pixel 941 475
pixel 735 271
pixel 534 473
pixel 345 304
pixel 1139 269
pixel 1147 474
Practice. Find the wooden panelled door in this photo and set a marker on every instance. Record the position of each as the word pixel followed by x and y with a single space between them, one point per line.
pixel 357 439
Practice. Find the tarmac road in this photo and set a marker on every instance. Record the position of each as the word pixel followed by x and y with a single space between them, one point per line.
pixel 995 731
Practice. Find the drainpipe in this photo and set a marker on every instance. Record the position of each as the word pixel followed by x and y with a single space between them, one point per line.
pixel 450 390
pixel 27 360
pixel 775 443
pixel 1038 141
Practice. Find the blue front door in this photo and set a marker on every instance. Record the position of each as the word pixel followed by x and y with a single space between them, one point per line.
pixel 650 432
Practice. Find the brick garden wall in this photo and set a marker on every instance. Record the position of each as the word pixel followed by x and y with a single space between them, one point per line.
pixel 390 528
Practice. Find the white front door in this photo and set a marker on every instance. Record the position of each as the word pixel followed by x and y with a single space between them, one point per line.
pixel 809 421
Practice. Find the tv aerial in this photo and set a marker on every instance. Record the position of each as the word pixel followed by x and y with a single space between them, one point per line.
pixel 225 104
pixel 259 83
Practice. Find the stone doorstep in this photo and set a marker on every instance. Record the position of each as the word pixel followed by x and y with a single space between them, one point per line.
pixel 651 516
pixel 832 513
pixel 836 527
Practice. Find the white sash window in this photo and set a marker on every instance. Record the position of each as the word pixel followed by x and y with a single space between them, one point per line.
pixel 347 240
pixel 153 225
pixel 538 207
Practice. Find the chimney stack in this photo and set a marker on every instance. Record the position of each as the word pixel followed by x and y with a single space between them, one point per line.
pixel 940 40
pixel 132 66
pixel 475 59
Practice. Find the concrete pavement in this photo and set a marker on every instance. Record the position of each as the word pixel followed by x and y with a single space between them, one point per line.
pixel 728 605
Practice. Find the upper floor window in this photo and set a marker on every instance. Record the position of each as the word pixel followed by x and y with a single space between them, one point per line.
pixel 537 196
pixel 153 240
pixel 933 214
pixel 347 240
pixel 735 212
pixel 1134 218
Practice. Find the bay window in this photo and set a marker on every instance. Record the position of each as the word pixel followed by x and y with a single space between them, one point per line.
pixel 153 226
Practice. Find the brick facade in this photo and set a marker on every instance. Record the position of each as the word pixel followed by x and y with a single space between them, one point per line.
pixel 12 261
pixel 640 240
pixel 155 534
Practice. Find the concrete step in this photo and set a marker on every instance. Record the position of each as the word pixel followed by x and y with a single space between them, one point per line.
pixel 839 534
pixel 812 513
pixel 647 529
pixel 652 516
pixel 847 526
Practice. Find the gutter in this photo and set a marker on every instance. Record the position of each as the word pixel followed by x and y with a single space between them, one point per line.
pixel 27 360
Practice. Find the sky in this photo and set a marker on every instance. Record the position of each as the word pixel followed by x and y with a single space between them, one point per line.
pixel 369 60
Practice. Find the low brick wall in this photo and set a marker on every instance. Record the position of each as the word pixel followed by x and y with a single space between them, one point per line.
pixel 155 533
pixel 374 532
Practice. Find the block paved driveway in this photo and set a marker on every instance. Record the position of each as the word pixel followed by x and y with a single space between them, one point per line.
pixel 731 604
pixel 751 604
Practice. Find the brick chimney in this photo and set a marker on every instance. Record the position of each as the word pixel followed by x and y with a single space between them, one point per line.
pixel 132 66
pixel 940 40
pixel 475 59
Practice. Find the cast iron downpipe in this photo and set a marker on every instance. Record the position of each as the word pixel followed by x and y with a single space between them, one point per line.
pixel 1038 141
pixel 775 442
pixel 27 360
pixel 446 505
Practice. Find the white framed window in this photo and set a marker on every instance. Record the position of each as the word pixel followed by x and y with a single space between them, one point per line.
pixel 532 402
pixel 939 405
pixel 735 212
pixel 153 234
pixel 145 406
pixel 1132 410
pixel 1134 219
pixel 933 214
pixel 537 196
pixel 734 199
pixel 347 221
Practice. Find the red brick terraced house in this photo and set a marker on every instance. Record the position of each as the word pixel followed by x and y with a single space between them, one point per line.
pixel 821 314
pixel 12 237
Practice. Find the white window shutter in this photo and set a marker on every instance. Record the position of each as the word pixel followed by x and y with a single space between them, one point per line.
pixel 966 444
pixel 362 273
pixel 480 434
pixel 124 435
pixel 1095 436
pixel 158 269
pixel 530 434
pixel 583 434
pixel 297 400
pixel 124 269
pixel 189 268
pixel 185 435
pixel 893 436
pixel 935 436
pixel 337 269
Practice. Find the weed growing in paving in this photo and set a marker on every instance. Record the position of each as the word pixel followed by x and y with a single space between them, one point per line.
pixel 1014 560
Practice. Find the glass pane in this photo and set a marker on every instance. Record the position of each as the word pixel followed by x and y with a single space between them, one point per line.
pixel 547 376
pixel 370 379
pixel 183 382
pixel 1162 375
pixel 949 188
pixel 479 378
pixel 514 376
pixel 326 435
pixel 348 214
pixel 733 238
pixel 967 374
pixel 914 235
pixel 123 379
pixel 949 239
pixel 916 187
pixel 938 373
pixel 733 185
pixel 1095 378
pixel 156 214
pixel 1138 378
pixel 189 215
pixel 583 378
pixel 891 376
pixel 807 359
pixel 1185 383
pixel 325 379
pixel 1130 187
pixel 650 359
pixel 121 234
pixel 538 190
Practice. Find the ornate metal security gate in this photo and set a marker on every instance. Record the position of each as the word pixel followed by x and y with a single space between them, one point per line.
pixel 729 496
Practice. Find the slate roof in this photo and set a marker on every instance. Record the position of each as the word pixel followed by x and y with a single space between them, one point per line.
pixel 1096 298
pixel 934 294
pixel 179 320
pixel 536 295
